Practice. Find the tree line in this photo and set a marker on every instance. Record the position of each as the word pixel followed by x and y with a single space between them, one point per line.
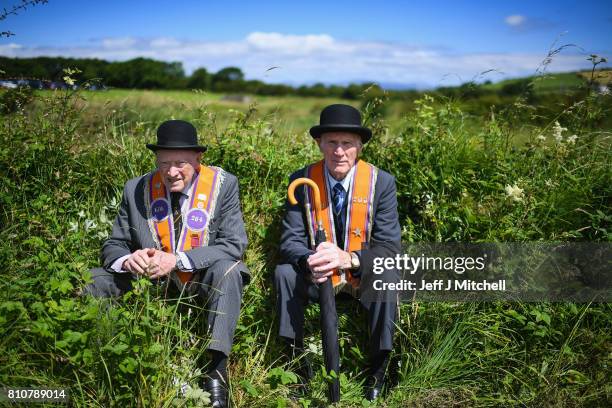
pixel 145 73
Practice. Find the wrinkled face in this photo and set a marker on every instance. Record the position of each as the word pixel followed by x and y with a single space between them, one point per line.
pixel 340 151
pixel 178 167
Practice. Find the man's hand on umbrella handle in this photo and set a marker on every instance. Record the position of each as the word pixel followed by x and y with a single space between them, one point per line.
pixel 320 277
pixel 327 258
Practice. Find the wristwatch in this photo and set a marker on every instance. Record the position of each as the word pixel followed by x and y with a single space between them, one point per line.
pixel 355 261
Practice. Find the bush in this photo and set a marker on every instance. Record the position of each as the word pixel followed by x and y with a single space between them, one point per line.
pixel 15 99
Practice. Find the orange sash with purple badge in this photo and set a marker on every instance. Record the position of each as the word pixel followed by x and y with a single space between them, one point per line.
pixel 358 228
pixel 196 217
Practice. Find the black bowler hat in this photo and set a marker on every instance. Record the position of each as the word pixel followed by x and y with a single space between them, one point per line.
pixel 177 135
pixel 341 118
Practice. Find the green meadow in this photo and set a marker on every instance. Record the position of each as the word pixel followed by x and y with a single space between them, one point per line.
pixel 65 155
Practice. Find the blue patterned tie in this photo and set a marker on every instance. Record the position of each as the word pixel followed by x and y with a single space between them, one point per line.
pixel 175 201
pixel 338 198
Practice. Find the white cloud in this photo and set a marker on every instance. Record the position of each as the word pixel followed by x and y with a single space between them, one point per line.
pixel 165 42
pixel 515 20
pixel 10 50
pixel 118 43
pixel 313 58
pixel 291 44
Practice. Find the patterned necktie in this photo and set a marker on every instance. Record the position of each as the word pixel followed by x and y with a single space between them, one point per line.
pixel 338 198
pixel 175 199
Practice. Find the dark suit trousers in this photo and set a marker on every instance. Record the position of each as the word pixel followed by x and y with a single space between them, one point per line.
pixel 294 292
pixel 219 288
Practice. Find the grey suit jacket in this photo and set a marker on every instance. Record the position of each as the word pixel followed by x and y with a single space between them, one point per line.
pixel 227 235
pixel 294 245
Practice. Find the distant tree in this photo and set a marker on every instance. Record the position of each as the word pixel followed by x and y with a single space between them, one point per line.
pixel 229 74
pixel 270 89
pixel 353 91
pixel 199 79
pixel 257 87
pixel 302 90
pixel 335 90
pixel 317 89
pixel 146 73
pixel 228 79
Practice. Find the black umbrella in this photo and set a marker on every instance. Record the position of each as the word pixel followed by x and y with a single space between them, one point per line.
pixel 327 301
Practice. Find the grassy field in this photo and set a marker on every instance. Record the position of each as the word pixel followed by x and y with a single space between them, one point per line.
pixel 550 83
pixel 64 157
pixel 291 114
pixel 603 77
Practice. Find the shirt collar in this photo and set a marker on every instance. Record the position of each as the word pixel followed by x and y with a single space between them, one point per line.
pixel 186 192
pixel 346 181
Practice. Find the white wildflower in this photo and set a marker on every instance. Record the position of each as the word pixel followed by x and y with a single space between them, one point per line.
pixel 181 385
pixel 112 203
pixel 68 80
pixel 103 218
pixel 557 132
pixel 514 192
pixel 314 347
pixel 184 388
pixel 73 226
pixel 572 139
pixel 541 138
pixel 81 214
pixel 90 224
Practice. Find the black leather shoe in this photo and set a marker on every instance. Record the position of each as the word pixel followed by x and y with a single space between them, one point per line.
pixel 217 388
pixel 374 388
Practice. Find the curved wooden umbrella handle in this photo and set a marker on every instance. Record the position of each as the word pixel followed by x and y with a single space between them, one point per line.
pixel 316 193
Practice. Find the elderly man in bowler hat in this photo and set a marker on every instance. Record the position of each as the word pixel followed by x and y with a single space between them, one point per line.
pixel 360 218
pixel 181 225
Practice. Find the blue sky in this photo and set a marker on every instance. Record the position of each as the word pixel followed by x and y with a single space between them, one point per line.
pixel 412 43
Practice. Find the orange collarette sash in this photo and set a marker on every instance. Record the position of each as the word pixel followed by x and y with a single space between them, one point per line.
pixel 194 234
pixel 358 228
